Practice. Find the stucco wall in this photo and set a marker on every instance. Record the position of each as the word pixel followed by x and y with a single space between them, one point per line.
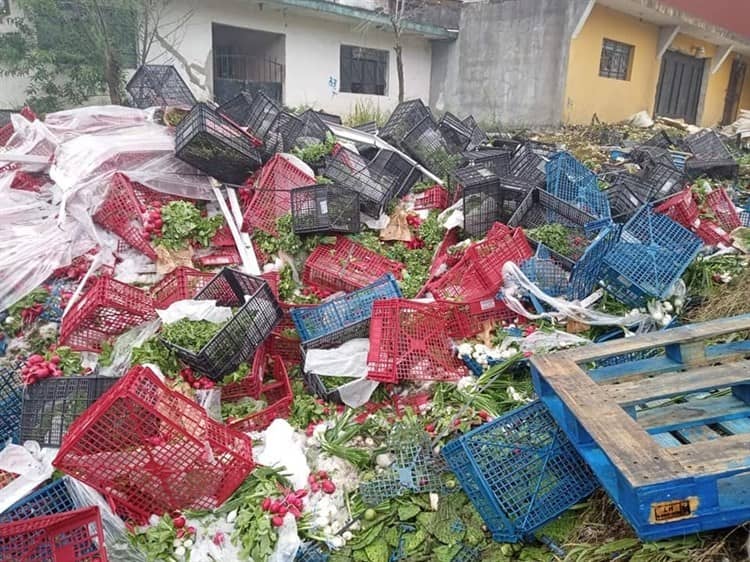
pixel 312 47
pixel 508 65
pixel 612 100
pixel 745 100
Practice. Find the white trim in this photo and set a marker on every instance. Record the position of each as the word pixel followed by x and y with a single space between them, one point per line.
pixel 721 55
pixel 666 37
pixel 584 18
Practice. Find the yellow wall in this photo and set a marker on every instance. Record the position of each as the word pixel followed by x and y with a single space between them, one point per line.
pixel 612 100
pixel 745 100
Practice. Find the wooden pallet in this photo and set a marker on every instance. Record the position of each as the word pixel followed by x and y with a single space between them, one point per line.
pixel 668 436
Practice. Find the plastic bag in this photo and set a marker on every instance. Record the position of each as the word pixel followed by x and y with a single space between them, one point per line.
pixel 210 400
pixel 124 345
pixel 115 532
pixel 86 120
pixel 347 360
pixel 288 541
pixel 195 310
pixel 33 466
pixel 280 449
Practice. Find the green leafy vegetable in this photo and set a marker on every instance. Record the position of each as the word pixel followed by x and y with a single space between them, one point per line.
pixel 153 351
pixel 191 334
pixel 314 153
pixel 183 224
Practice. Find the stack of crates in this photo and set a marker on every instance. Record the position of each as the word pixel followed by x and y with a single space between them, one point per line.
pixel 159 85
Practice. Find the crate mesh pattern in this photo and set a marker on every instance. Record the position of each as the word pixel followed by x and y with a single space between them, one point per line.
pixel 11 395
pixel 50 406
pixel 346 266
pixel 355 308
pixel 549 270
pixel 456 134
pixel 392 164
pixel 425 143
pixel 410 341
pixel 159 85
pixel 496 160
pixel 76 536
pixel 153 450
pixel 571 181
pixel 375 188
pixel 215 145
pixel 487 199
pixel 325 208
pixel 53 498
pixel 108 309
pixel 651 255
pixel 238 108
pixel 528 165
pixel 403 119
pixel 179 284
pixel 587 271
pixel 519 471
pixel 237 341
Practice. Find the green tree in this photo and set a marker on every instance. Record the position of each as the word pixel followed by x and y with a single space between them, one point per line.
pixel 70 50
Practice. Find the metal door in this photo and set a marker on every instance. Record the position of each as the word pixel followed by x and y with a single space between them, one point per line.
pixel 734 91
pixel 679 90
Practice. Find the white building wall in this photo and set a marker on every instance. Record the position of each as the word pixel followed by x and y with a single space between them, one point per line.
pixel 312 47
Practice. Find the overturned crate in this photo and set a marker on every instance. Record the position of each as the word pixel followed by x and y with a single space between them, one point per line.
pixel 179 284
pixel 154 451
pixel 404 117
pixel 528 165
pixel 455 132
pixel 216 145
pixel 49 500
pixel 51 405
pixel 574 183
pixel 494 159
pixel 426 144
pixel 375 188
pixel 257 314
pixel 519 471
pixel 159 85
pixel 672 467
pixel 487 198
pixel 393 164
pixel 238 108
pixel 325 208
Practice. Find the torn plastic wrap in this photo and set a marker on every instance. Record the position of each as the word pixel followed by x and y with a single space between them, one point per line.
pixel 33 466
pixel 87 120
pixel 31 138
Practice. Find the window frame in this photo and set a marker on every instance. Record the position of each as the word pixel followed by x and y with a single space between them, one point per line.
pixel 367 75
pixel 618 52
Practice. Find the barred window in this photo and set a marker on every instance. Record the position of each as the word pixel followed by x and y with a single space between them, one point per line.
pixel 363 71
pixel 616 60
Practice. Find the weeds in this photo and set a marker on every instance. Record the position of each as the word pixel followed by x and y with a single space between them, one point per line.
pixel 366 111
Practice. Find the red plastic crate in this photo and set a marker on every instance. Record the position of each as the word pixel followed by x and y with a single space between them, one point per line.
pixel 108 309
pixel 6 131
pixel 410 341
pixel 711 233
pixel 154 451
pixel 223 238
pixel 272 196
pixel 72 536
pixel 287 348
pixel 724 210
pixel 180 284
pixel 219 257
pixel 277 392
pixel 28 182
pixel 467 319
pixel 681 208
pixel 6 478
pixel 442 260
pixel 346 266
pixel 434 198
pixel 478 274
pixel 122 213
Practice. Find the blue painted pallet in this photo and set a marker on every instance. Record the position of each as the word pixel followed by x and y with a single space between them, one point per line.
pixel 667 436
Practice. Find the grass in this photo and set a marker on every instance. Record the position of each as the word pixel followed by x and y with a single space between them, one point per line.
pixel 726 300
pixel 365 111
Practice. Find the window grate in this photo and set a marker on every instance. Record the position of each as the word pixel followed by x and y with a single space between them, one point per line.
pixel 616 59
pixel 363 71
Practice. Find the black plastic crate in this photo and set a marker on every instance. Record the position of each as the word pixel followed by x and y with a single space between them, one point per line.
pixel 527 164
pixel 314 382
pixel 661 140
pixel 496 160
pixel 325 208
pixel 393 164
pixel 645 155
pixel 159 85
pixel 404 118
pixel 51 405
pixel 11 395
pixel 349 169
pixel 329 117
pixel 216 146
pixel 478 136
pixel 455 133
pixel 425 143
pixel 313 131
pixel 371 128
pixel 726 168
pixel 707 145
pixel 261 115
pixel 238 108
pixel 5 116
pixel 237 341
pixel 487 199
pixel 624 197
pixel 662 179
pixel 283 133
pixel 510 145
pixel 540 208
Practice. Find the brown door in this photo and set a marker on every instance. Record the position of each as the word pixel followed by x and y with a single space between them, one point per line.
pixel 679 89
pixel 734 91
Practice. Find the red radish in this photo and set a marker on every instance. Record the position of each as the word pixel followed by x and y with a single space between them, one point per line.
pixel 179 522
pixel 218 539
pixel 323 474
pixel 275 506
pixel 55 359
pixel 191 530
pixel 277 521
pixel 295 511
pixel 266 504
pixel 181 533
pixel 328 487
pixel 283 510
pixel 301 493
pixel 315 487
pixel 36 358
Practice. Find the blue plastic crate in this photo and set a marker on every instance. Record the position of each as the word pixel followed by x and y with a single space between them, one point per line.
pixel 11 399
pixel 467 554
pixel 587 270
pixel 573 182
pixel 311 552
pixel 652 254
pixel 549 270
pixel 344 312
pixel 53 498
pixel 53 309
pixel 519 471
